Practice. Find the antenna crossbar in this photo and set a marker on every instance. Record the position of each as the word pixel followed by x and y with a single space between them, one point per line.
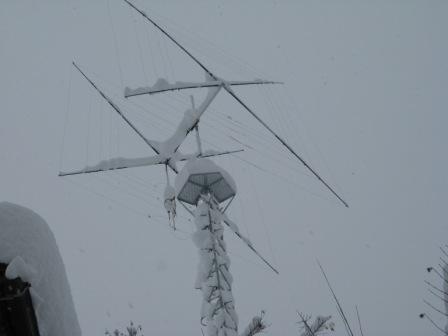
pixel 122 163
pixel 128 92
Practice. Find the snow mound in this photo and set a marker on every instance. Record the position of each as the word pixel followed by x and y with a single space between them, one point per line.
pixel 29 247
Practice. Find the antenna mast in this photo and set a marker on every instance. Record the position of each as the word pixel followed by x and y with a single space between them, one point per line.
pixel 201 184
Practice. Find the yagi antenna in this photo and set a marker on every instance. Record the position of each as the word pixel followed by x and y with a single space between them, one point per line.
pixel 167 152
pixel 227 86
pixel 170 155
pixel 201 184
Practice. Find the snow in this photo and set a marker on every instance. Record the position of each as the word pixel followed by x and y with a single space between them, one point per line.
pixel 190 119
pixel 169 192
pixel 119 163
pixel 29 247
pixel 201 166
pixel 168 149
pixel 214 278
pixel 19 268
pixel 169 202
pixel 163 85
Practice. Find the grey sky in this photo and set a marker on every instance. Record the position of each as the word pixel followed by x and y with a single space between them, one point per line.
pixel 364 100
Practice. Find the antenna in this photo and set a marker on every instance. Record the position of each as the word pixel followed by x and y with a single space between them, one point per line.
pixel 215 81
pixel 201 184
pixel 169 156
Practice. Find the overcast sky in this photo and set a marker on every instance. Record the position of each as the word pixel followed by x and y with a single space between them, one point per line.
pixel 364 100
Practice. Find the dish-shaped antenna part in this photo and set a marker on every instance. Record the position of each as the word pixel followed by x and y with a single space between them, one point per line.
pixel 202 176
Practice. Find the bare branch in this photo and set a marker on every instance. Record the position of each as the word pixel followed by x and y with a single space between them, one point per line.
pixel 256 326
pixel 320 323
pixel 308 331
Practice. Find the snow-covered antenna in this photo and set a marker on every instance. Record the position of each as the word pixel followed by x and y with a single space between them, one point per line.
pixel 213 81
pixel 201 184
pixel 167 154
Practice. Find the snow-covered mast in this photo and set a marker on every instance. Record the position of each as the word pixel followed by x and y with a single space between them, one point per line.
pixel 203 184
pixel 206 186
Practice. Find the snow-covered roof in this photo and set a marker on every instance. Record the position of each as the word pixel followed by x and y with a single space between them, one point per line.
pixel 29 247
